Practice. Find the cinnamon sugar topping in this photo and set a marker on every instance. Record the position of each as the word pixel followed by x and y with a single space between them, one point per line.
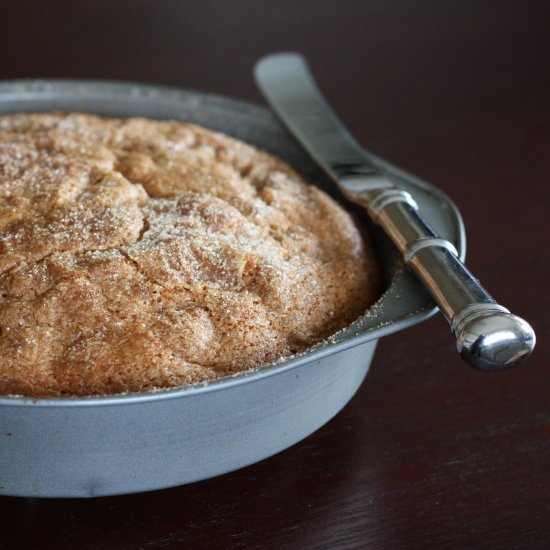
pixel 138 254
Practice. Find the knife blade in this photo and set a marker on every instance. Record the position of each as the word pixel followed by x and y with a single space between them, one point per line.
pixel 488 336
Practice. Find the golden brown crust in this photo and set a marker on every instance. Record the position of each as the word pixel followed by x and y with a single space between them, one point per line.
pixel 137 254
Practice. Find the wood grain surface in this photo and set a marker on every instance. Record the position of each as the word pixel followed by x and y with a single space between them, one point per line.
pixel 429 453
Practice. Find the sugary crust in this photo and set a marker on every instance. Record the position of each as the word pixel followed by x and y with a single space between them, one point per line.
pixel 137 254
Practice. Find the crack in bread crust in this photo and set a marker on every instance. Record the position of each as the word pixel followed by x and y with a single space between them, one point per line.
pixel 138 254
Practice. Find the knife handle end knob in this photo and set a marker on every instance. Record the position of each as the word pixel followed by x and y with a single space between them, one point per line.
pixel 492 339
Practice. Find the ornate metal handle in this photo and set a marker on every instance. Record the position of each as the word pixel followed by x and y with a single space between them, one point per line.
pixel 488 336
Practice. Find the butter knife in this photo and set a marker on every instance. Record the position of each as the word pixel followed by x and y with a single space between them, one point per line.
pixel 488 336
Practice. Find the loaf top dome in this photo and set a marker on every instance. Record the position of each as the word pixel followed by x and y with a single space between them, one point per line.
pixel 138 254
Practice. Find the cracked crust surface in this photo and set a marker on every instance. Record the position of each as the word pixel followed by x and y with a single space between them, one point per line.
pixel 138 254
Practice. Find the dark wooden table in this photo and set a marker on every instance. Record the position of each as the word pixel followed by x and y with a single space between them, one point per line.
pixel 429 453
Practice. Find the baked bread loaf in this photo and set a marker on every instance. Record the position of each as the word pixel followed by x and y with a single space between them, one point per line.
pixel 138 254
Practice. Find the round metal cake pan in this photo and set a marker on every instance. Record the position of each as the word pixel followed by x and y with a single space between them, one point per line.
pixel 97 446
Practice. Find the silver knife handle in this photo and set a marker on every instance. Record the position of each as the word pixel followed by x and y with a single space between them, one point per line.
pixel 488 336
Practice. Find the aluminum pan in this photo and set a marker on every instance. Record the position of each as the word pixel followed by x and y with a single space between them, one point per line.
pixel 80 446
